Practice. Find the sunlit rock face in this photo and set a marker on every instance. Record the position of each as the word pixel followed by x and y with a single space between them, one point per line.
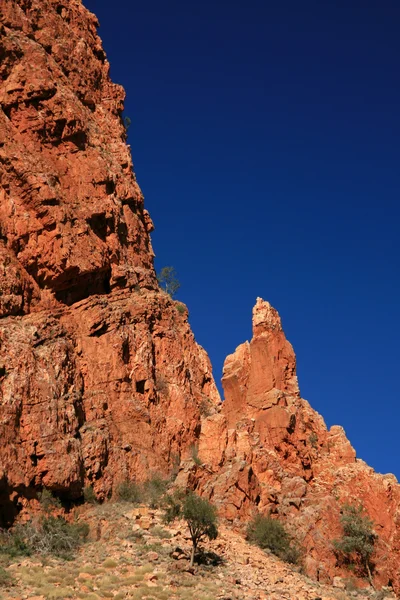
pixel 100 377
pixel 268 450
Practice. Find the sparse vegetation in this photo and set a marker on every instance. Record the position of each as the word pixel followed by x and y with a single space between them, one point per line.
pixel 269 533
pixel 12 542
pixel 194 453
pixel 154 489
pixel 160 532
pixel 150 492
pixel 180 308
pixel 199 514
pixel 129 491
pixel 89 496
pixel 47 535
pixel 356 547
pixel 169 281
pixel 109 563
pixel 176 461
pixel 313 439
pixel 5 578
pixel 48 501
pixel 205 407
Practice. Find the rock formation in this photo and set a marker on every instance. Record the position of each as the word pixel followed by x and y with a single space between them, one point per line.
pixel 267 449
pixel 100 376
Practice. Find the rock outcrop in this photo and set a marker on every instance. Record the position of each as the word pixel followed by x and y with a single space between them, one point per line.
pixel 268 450
pixel 100 376
pixel 101 379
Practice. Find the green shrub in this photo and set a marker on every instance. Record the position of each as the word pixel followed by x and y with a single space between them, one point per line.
pixel 89 496
pixel 181 308
pixel 12 542
pixel 5 578
pixel 54 535
pixel 269 533
pixel 160 532
pixel 154 490
pixel 313 439
pixel 129 491
pixel 355 548
pixel 199 514
pixel 48 501
pixel 48 535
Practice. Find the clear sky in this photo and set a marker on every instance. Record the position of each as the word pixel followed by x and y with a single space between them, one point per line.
pixel 265 137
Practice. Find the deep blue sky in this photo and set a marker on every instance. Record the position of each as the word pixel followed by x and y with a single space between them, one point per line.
pixel 265 137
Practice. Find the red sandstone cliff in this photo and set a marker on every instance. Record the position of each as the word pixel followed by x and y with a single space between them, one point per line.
pixel 268 449
pixel 100 376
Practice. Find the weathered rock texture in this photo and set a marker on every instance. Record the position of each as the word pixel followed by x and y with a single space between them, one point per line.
pixel 268 449
pixel 100 376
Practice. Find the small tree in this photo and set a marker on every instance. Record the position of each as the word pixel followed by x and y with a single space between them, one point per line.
pixel 356 546
pixel 169 281
pixel 199 514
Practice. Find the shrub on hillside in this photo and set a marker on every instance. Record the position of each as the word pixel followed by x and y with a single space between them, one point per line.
pixel 129 491
pixel 270 534
pixel 47 535
pixel 48 501
pixel 13 543
pixel 5 578
pixel 154 490
pixel 89 496
pixel 150 492
pixel 356 546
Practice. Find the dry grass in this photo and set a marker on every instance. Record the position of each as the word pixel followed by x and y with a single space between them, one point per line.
pixel 116 566
pixel 109 563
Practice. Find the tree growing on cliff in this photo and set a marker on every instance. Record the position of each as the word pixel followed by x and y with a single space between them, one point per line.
pixel 356 547
pixel 168 280
pixel 199 514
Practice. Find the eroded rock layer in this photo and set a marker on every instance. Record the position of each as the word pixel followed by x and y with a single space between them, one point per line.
pixel 268 450
pixel 100 377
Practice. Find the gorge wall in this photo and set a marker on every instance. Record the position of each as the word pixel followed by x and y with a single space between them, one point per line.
pixel 100 376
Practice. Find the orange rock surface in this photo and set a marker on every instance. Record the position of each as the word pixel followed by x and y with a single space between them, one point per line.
pixel 100 376
pixel 267 449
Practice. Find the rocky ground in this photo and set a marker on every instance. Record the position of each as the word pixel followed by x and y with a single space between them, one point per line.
pixel 132 555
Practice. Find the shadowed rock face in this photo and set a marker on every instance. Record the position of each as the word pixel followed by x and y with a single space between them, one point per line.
pixel 267 449
pixel 100 376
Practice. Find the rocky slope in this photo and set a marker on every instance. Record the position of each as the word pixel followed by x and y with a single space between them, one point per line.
pixel 100 376
pixel 134 556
